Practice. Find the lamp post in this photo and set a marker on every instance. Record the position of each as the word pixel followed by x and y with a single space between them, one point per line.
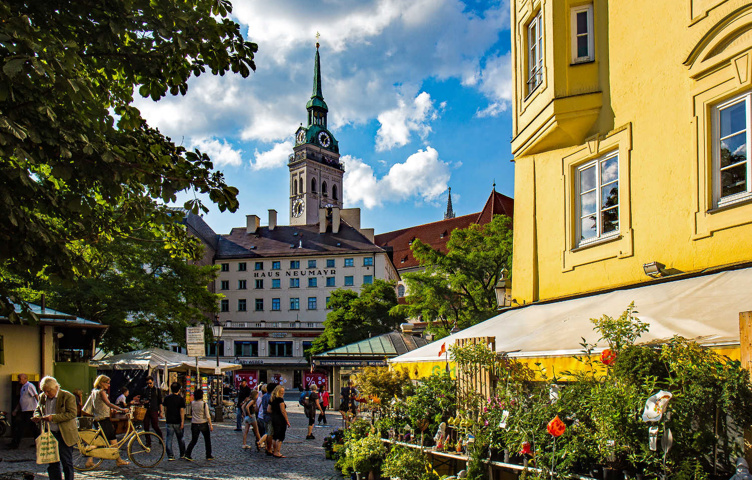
pixel 217 331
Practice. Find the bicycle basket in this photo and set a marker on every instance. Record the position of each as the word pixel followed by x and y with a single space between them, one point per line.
pixel 139 413
pixel 85 423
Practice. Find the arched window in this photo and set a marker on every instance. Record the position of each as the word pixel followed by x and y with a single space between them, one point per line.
pixel 334 192
pixel 400 291
pixel 324 190
pixel 301 186
pixel 313 185
pixel 294 186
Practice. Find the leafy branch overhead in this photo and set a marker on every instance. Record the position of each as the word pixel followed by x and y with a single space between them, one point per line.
pixel 458 287
pixel 79 165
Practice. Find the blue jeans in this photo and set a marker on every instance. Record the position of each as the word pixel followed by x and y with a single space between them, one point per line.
pixel 65 465
pixel 238 417
pixel 174 429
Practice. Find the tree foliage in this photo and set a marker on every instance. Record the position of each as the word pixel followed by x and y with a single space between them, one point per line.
pixel 78 164
pixel 458 287
pixel 145 295
pixel 357 317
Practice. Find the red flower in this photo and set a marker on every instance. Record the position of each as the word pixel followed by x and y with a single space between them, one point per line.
pixel 556 427
pixel 526 449
pixel 608 357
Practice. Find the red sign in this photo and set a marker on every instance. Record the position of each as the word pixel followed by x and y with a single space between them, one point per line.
pixel 318 378
pixel 250 376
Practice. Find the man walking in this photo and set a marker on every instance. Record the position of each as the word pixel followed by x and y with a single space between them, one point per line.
pixel 243 392
pixel 152 398
pixel 174 407
pixel 58 408
pixel 24 410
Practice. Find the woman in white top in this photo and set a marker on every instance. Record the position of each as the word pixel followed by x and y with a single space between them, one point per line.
pixel 100 410
pixel 200 424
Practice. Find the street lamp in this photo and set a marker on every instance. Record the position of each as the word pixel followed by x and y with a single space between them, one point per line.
pixel 217 331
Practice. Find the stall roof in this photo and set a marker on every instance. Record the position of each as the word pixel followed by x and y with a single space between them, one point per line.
pixel 50 316
pixel 387 345
pixel 702 308
pixel 157 358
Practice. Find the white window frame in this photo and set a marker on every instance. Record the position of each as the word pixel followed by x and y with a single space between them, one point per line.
pixel 535 52
pixel 600 236
pixel 590 34
pixel 741 196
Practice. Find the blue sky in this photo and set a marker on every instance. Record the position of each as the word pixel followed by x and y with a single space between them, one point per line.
pixel 419 98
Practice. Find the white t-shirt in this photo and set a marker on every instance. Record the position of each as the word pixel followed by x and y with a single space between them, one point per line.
pixel 28 397
pixel 121 401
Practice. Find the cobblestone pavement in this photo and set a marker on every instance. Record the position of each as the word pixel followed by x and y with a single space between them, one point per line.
pixel 305 458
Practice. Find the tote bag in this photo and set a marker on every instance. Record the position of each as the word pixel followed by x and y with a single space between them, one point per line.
pixel 88 407
pixel 47 451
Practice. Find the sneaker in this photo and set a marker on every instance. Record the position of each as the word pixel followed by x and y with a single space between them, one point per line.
pixel 210 458
pixel 238 429
pixel 246 446
pixel 187 458
pixel 171 459
pixel 310 437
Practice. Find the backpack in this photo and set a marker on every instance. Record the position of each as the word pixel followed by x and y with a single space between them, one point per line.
pixel 303 400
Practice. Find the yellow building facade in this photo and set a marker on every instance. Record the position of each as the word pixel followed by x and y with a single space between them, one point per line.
pixel 632 122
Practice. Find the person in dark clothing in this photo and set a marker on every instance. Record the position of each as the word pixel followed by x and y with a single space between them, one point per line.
pixel 152 399
pixel 278 410
pixel 347 408
pixel 244 391
pixel 174 407
pixel 313 406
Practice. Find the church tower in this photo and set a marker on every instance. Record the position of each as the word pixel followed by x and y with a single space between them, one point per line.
pixel 315 170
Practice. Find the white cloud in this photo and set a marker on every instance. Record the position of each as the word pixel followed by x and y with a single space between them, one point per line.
pixel 397 124
pixel 276 157
pixel 495 81
pixel 375 54
pixel 422 175
pixel 220 152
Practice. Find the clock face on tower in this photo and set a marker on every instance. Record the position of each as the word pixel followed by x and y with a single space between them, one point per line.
pixel 324 139
pixel 301 137
pixel 297 208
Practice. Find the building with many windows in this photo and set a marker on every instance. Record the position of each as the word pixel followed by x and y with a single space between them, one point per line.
pixel 276 279
pixel 632 123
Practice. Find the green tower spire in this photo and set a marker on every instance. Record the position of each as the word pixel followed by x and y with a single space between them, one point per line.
pixel 316 106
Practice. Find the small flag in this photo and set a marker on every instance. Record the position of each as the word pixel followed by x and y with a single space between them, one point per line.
pixel 442 351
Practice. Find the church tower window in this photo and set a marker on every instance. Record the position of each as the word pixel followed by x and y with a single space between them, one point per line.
pixel 313 185
pixel 334 192
pixel 324 189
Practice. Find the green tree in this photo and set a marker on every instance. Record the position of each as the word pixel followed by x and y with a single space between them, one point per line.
pixel 458 287
pixel 78 164
pixel 143 293
pixel 357 317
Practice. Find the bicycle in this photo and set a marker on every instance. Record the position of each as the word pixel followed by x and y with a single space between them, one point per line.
pixel 145 449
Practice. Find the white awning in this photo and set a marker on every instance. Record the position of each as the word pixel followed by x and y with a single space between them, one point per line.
pixel 157 358
pixel 703 308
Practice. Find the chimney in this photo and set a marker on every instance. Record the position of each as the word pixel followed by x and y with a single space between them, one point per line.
pixel 335 220
pixel 323 224
pixel 369 233
pixel 252 223
pixel 351 216
pixel 272 219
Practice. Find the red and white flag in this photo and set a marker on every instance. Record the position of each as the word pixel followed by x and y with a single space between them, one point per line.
pixel 442 351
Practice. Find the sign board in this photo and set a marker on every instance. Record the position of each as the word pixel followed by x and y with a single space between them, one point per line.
pixel 217 370
pixel 194 340
pixel 318 378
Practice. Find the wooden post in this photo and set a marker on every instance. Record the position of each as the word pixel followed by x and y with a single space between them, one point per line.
pixel 745 347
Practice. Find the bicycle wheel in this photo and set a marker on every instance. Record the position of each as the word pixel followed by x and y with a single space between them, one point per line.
pixel 146 449
pixel 79 461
